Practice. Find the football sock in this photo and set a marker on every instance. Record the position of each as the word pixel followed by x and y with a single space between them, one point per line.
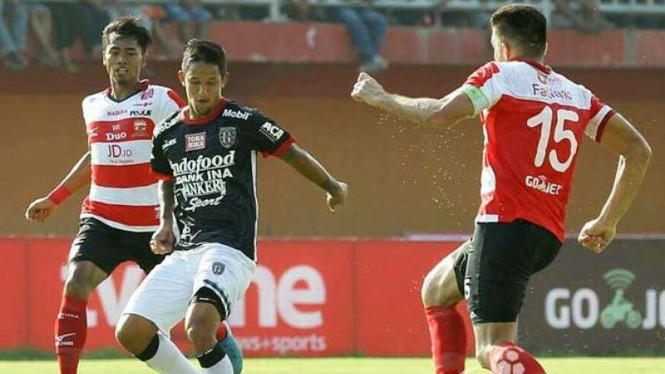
pixel 163 356
pixel 507 358
pixel 71 327
pixel 448 337
pixel 215 361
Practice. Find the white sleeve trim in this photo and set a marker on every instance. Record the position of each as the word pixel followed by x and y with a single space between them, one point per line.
pixel 592 127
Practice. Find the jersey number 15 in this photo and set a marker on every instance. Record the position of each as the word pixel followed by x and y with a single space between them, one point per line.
pixel 545 119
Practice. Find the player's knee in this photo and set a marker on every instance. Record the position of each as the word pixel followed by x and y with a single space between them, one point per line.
pixel 77 286
pixel 134 334
pixel 440 288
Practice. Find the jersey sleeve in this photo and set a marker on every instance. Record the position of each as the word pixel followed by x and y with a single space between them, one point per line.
pixel 268 137
pixel 482 87
pixel 169 103
pixel 599 115
pixel 158 162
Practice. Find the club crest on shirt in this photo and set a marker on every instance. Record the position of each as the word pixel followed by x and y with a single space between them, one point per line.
pixel 227 136
pixel 140 128
pixel 218 268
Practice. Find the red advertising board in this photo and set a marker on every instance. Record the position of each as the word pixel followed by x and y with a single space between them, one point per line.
pixel 308 298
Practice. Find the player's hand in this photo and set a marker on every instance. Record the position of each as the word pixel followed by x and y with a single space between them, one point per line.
pixel 162 240
pixel 596 235
pixel 337 196
pixel 40 209
pixel 368 90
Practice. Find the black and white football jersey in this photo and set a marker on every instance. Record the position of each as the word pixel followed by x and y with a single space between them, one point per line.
pixel 213 163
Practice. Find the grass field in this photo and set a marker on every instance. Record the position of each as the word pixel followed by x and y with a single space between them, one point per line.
pixel 353 366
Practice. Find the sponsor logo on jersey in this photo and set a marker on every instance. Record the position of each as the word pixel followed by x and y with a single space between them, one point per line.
pixel 117 112
pixel 141 113
pixel 541 184
pixel 168 143
pixel 271 131
pixel 235 114
pixel 147 95
pixel 203 163
pixel 116 127
pixel 140 128
pixel 143 105
pixel 195 142
pixel 227 136
pixel 115 137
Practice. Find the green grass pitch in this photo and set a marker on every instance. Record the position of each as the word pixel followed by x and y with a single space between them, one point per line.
pixel 577 365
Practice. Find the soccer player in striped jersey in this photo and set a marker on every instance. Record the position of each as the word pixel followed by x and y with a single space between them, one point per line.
pixel 533 123
pixel 121 211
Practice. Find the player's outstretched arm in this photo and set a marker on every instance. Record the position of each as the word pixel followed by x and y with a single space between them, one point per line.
pixel 79 177
pixel 311 169
pixel 441 113
pixel 163 239
pixel 622 138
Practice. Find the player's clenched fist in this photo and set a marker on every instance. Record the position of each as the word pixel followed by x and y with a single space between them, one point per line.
pixel 338 195
pixel 596 235
pixel 368 90
pixel 162 240
pixel 40 209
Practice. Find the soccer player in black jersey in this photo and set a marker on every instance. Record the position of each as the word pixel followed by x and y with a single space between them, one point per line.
pixel 205 156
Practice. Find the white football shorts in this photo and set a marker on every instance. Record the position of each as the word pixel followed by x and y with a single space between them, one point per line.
pixel 165 293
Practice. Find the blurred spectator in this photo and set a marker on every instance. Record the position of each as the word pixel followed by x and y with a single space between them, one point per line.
pixel 13 31
pixel 151 17
pixel 297 10
pixel 192 18
pixel 94 17
pixel 42 28
pixel 583 15
pixel 157 15
pixel 367 28
pixel 68 27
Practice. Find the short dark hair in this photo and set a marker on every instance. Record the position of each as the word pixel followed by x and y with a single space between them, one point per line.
pixel 205 51
pixel 522 25
pixel 127 27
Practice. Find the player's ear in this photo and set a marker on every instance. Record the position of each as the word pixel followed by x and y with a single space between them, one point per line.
pixel 547 46
pixel 225 78
pixel 181 77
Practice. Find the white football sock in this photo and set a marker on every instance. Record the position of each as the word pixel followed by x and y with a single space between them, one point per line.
pixel 222 367
pixel 169 359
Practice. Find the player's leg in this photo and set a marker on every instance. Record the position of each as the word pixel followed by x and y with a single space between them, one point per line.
pixel 223 276
pixel 441 292
pixel 501 261
pixel 156 306
pixel 93 256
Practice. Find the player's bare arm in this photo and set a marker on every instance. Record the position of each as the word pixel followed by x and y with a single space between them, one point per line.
pixel 311 169
pixel 163 239
pixel 79 177
pixel 622 138
pixel 440 113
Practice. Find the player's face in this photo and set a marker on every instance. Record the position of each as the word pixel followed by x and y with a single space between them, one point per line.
pixel 203 83
pixel 123 59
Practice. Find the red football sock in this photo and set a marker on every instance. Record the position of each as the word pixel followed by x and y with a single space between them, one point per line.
pixel 71 327
pixel 448 336
pixel 221 332
pixel 508 358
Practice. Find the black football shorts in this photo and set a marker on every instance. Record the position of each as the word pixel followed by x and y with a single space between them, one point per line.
pixel 108 247
pixel 493 268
